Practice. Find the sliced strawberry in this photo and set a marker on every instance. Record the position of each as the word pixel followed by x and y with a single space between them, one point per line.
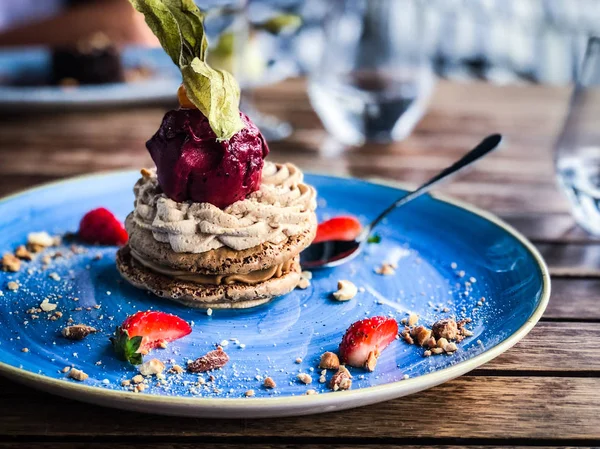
pixel 365 339
pixel 144 331
pixel 101 226
pixel 338 228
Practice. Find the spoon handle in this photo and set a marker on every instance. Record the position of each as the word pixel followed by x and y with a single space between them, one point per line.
pixel 485 146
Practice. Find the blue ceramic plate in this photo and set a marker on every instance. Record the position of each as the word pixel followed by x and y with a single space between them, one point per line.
pixel 34 63
pixel 449 256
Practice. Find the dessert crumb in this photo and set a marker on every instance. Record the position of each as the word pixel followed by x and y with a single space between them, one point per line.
pixel 137 379
pixel 249 393
pixel 298 360
pixel 209 311
pixel 341 380
pixel 25 350
pixel 12 286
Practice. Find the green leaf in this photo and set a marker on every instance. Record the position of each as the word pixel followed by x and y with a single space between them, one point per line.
pixel 213 92
pixel 179 26
pixel 126 348
pixel 375 238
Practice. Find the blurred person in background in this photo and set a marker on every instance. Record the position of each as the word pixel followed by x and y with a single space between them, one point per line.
pixel 63 22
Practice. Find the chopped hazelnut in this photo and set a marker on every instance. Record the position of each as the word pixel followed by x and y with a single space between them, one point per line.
pixel 77 374
pixel 151 367
pixel 12 286
pixel 22 253
pixel 450 347
pixel 446 328
pixel 40 239
pixel 11 263
pixel 176 369
pixel 304 378
pixel 421 334
pixel 413 318
pixel 137 379
pixel 341 380
pixel 329 360
pixel 269 383
pixel 249 393
pixel 310 392
pixel 442 342
pixel 371 361
pixel 77 332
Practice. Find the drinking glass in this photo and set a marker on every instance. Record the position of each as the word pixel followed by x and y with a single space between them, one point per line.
pixel 577 150
pixel 374 79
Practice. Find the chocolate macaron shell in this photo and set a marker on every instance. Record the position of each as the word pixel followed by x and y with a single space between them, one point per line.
pixel 231 296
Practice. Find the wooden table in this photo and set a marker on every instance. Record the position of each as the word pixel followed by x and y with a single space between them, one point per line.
pixel 544 391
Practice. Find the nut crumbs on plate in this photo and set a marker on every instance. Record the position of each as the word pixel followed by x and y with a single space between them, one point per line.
pixel 151 367
pixel 341 380
pixel 77 331
pixel 77 374
pixel 329 360
pixel 386 269
pixel 10 263
pixel 304 378
pixel 269 383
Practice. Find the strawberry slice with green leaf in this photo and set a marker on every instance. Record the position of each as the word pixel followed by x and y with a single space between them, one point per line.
pixel 338 228
pixel 144 331
pixel 365 339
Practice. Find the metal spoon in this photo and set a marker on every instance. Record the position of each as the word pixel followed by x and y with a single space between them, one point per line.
pixel 332 253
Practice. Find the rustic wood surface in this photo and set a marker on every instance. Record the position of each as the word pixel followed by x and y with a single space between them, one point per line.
pixel 544 391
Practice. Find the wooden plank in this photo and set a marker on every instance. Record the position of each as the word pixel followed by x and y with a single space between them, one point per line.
pixel 258 444
pixel 553 347
pixel 549 228
pixel 469 407
pixel 574 299
pixel 571 260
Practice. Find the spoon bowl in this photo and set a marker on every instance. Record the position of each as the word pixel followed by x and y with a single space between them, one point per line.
pixel 331 253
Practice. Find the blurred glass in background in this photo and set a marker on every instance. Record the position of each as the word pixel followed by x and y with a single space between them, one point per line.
pixel 577 154
pixel 374 79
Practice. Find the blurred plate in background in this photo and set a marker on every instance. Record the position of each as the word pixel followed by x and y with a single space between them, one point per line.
pixel 23 85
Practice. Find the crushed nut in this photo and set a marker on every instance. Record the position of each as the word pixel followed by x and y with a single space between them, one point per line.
pixel 151 367
pixel 437 350
pixel 341 380
pixel 176 369
pixel 427 353
pixel 145 173
pixel 212 360
pixel 163 344
pixel 329 360
pixel 421 334
pixel 442 342
pixel 40 239
pixel 46 306
pixel 137 379
pixel 446 328
pixel 413 318
pixel 249 393
pixel 298 360
pixel 11 263
pixel 77 331
pixel 385 269
pixel 66 369
pixel 269 383
pixel 450 347
pixel 303 283
pixel 304 378
pixel 12 286
pixel 22 253
pixel 25 350
pixel 125 383
pixel 77 374
pixel 346 291
pixel 371 361
pixel 310 392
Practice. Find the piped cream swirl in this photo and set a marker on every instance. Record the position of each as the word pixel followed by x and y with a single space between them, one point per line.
pixel 283 206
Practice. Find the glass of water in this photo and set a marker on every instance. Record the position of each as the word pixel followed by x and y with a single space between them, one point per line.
pixel 375 78
pixel 577 152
